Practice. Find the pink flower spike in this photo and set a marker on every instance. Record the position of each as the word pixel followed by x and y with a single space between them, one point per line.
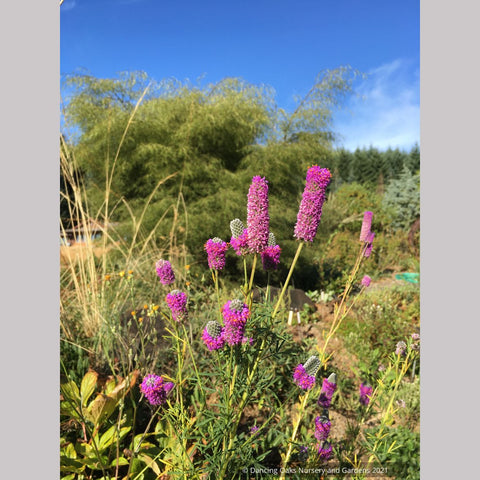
pixel 216 249
pixel 310 211
pixel 366 226
pixel 257 215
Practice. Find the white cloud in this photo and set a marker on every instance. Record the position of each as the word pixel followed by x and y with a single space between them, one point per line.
pixel 386 111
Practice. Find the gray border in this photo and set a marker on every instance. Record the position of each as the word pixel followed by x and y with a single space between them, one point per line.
pixel 450 103
pixel 29 241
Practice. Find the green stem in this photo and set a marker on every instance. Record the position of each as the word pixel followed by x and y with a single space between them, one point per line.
pixel 249 295
pixel 217 291
pixel 285 285
pixel 296 425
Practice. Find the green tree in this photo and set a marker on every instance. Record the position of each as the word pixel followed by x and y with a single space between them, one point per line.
pixel 206 143
pixel 402 197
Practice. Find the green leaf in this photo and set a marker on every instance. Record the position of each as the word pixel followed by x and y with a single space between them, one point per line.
pixel 100 409
pixel 121 462
pixel 88 385
pixel 110 436
pixel 70 391
pixel 70 465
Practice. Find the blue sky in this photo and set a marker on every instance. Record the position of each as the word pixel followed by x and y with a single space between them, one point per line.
pixel 280 43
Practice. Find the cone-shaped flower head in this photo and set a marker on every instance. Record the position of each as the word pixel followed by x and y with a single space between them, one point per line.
pixel 155 389
pixel 366 226
pixel 165 272
pixel 304 375
pixel 322 427
pixel 216 249
pixel 312 365
pixel 365 394
pixel 177 301
pixel 213 335
pixel 325 450
pixel 329 386
pixel 235 314
pixel 236 227
pixel 257 215
pixel 366 281
pixel 271 257
pixel 271 240
pixel 310 210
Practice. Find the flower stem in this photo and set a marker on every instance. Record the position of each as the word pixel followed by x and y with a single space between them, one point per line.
pixel 301 410
pixel 285 285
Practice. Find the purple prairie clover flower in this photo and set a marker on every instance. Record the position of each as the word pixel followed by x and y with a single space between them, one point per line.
pixel 302 378
pixel 322 427
pixel 177 302
pixel 304 375
pixel 216 249
pixel 401 348
pixel 165 272
pixel 368 248
pixel 212 336
pixel 155 389
pixel 325 450
pixel 253 430
pixel 366 281
pixel 239 240
pixel 271 257
pixel 328 389
pixel 240 243
pixel 310 210
pixel 365 394
pixel 258 219
pixel 235 311
pixel 234 333
pixel 366 226
pixel 235 315
pixel 415 336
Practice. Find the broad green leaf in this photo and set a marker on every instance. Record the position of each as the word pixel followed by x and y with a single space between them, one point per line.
pixel 88 385
pixel 70 391
pixel 100 409
pixel 69 451
pixel 70 465
pixel 69 409
pixel 121 461
pixel 110 436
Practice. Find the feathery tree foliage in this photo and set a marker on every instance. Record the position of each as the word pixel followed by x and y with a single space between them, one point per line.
pixel 192 152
